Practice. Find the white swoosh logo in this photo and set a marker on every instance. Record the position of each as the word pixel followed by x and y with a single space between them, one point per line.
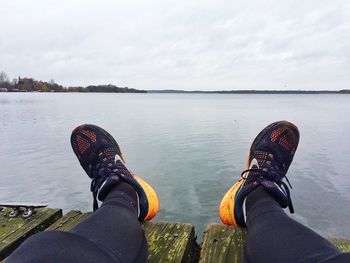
pixel 254 162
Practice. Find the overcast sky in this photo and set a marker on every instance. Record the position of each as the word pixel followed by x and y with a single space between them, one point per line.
pixel 190 45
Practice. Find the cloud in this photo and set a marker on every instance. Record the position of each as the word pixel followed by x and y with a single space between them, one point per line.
pixel 209 45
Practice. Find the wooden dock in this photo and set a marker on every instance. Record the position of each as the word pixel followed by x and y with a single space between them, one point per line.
pixel 167 241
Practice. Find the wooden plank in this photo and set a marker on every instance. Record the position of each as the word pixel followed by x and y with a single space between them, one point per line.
pixel 69 221
pixel 225 244
pixel 169 242
pixel 342 243
pixel 222 243
pixel 13 231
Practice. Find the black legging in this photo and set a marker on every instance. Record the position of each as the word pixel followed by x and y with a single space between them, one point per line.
pixel 275 237
pixel 111 234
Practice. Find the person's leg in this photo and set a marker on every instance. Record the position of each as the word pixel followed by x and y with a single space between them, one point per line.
pixel 111 234
pixel 272 235
pixel 115 225
pixel 275 237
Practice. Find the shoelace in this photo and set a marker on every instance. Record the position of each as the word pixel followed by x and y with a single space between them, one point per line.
pixel 259 174
pixel 104 168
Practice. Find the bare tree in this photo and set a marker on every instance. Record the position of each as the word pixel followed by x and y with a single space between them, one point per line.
pixel 4 78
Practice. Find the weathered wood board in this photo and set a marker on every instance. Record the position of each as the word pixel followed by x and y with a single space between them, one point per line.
pixel 342 243
pixel 169 242
pixel 68 221
pixel 13 231
pixel 224 244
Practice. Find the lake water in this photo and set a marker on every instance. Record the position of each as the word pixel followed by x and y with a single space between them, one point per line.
pixel 190 147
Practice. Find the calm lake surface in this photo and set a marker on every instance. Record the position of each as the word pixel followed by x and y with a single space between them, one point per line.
pixel 190 147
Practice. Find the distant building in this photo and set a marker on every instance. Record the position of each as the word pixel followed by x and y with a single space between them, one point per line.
pixel 3 89
pixel 24 81
pixel 26 84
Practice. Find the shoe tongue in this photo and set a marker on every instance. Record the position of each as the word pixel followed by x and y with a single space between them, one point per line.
pixel 255 167
pixel 266 162
pixel 254 170
pixel 105 163
pixel 110 153
pixel 261 157
pixel 122 168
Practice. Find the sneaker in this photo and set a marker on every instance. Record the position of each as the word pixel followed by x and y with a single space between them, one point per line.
pixel 100 156
pixel 269 159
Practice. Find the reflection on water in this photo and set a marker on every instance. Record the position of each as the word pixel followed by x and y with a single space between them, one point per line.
pixel 190 147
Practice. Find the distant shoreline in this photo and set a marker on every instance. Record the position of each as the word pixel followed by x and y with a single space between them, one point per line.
pixel 190 92
pixel 254 91
pixel 32 85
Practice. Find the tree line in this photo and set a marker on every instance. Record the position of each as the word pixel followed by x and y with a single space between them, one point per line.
pixel 31 85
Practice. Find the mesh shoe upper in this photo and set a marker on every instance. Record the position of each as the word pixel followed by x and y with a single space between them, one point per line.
pixel 269 159
pixel 96 151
